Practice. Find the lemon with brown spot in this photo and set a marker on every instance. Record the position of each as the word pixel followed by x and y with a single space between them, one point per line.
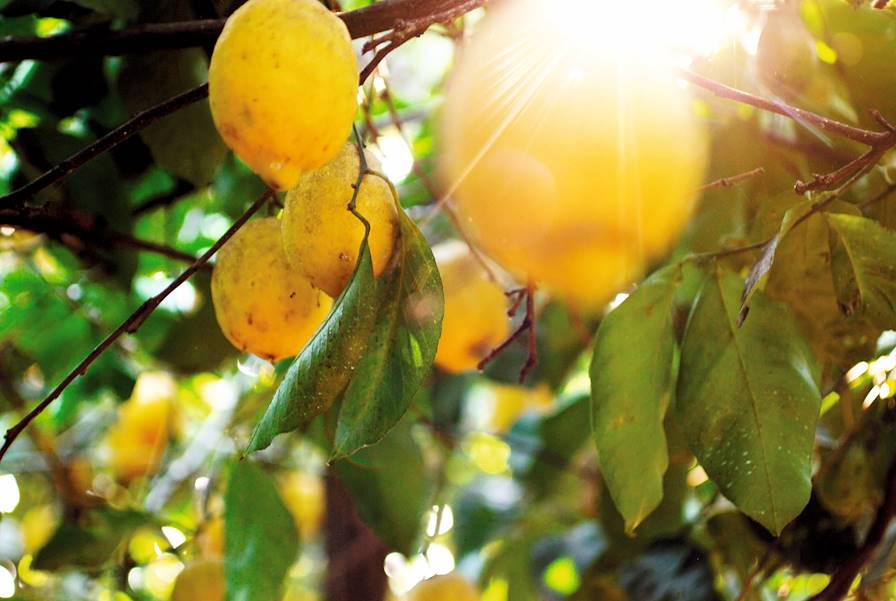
pixel 475 318
pixel 322 237
pixel 263 305
pixel 283 85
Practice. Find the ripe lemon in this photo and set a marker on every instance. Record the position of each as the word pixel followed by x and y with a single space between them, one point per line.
pixel 202 580
pixel 322 237
pixel 283 86
pixel 572 161
pixel 475 318
pixel 450 587
pixel 137 441
pixel 303 494
pixel 264 306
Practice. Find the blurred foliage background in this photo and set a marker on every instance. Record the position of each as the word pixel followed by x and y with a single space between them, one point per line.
pixel 131 474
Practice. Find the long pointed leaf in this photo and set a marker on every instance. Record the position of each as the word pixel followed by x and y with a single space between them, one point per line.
pixel 631 383
pixel 748 401
pixel 324 368
pixel 401 348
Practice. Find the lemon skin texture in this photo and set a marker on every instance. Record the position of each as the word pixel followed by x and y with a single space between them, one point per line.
pixel 138 440
pixel 475 318
pixel 322 237
pixel 202 580
pixel 450 587
pixel 571 161
pixel 264 306
pixel 283 85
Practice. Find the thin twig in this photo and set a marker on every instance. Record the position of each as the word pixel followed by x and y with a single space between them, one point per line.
pixel 129 325
pixel 369 20
pixel 405 18
pixel 78 232
pixel 728 182
pixel 878 142
pixel 528 326
pixel 857 134
pixel 104 144
pixel 430 187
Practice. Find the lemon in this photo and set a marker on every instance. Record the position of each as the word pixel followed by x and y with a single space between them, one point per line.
pixel 322 238
pixel 283 85
pixel 475 318
pixel 572 162
pixel 264 306
pixel 450 587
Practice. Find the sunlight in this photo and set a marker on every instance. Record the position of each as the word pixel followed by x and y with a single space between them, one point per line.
pixel 694 28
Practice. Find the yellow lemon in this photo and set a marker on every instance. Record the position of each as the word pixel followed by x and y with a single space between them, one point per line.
pixel 264 306
pixel 283 86
pixel 200 581
pixel 322 237
pixel 138 440
pixel 573 162
pixel 475 319
pixel 509 403
pixel 303 494
pixel 451 587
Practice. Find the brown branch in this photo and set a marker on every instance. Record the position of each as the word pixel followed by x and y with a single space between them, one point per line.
pixel 842 579
pixel 863 136
pixel 728 182
pixel 528 326
pixel 129 325
pixel 367 21
pixel 879 142
pixel 405 18
pixel 71 229
pixel 142 38
pixel 405 29
pixel 104 144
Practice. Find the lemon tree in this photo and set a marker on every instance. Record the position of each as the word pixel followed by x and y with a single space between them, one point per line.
pixel 307 300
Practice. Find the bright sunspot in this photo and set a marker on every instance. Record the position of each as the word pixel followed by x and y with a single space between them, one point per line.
pixel 689 29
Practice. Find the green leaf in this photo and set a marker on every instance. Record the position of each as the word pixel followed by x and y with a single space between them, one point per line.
pixel 748 401
pixel 632 371
pixel 863 261
pixel 124 9
pixel 401 348
pixel 544 446
pixel 92 543
pixel 802 278
pixel 324 368
pixel 260 537
pixel 391 488
pixel 186 143
pixel 373 351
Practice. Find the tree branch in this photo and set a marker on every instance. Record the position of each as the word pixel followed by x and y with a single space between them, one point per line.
pixel 115 137
pixel 846 574
pixel 367 21
pixel 879 142
pixel 129 325
pixel 528 326
pixel 728 182
pixel 63 227
pixel 404 18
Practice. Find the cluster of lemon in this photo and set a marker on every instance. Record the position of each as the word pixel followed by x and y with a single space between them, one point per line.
pixel 571 165
pixel 282 84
